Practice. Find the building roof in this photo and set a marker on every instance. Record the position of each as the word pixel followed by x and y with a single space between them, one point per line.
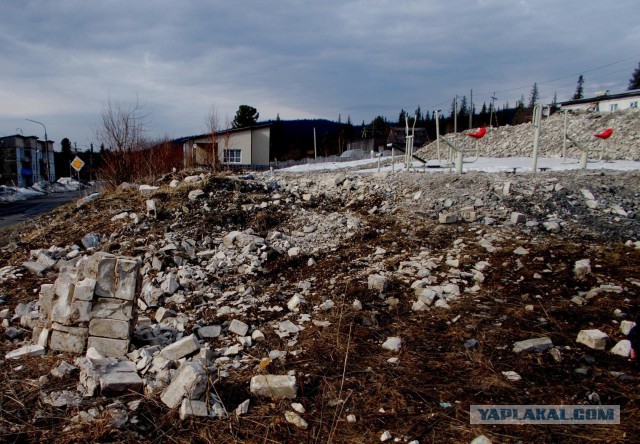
pixel 227 131
pixel 631 93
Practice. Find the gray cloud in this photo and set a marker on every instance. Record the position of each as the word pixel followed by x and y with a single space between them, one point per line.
pixel 63 59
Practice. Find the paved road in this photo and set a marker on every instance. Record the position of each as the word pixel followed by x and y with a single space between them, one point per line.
pixel 15 212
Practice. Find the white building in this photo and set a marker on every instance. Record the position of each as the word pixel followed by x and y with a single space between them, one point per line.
pixel 235 147
pixel 605 102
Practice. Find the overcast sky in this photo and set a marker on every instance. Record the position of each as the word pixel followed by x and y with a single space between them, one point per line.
pixel 63 60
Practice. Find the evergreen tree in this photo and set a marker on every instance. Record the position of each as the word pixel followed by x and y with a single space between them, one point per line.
pixel 245 116
pixel 634 82
pixel 534 96
pixel 402 118
pixel 579 94
pixel 65 148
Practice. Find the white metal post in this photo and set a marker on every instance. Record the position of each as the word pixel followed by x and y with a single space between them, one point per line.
pixel 438 135
pixel 537 122
pixel 564 139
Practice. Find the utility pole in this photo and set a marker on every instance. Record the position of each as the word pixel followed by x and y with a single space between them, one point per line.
pixel 492 106
pixel 471 111
pixel 455 115
pixel 315 149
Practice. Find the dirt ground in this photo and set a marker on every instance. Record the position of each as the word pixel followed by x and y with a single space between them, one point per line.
pixel 342 369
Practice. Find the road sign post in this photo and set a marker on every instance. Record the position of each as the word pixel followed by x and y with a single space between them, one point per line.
pixel 77 165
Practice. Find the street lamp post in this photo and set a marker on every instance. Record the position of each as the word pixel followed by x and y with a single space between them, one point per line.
pixel 46 148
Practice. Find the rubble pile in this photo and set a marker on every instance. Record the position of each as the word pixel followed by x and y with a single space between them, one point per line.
pixel 517 140
pixel 297 297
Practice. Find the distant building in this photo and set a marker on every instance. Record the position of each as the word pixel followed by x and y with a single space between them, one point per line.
pixel 605 102
pixel 236 147
pixel 23 160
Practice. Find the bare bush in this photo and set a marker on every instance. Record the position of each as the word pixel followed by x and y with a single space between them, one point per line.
pixel 129 155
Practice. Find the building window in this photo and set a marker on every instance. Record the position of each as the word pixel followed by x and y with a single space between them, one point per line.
pixel 613 107
pixel 633 104
pixel 232 156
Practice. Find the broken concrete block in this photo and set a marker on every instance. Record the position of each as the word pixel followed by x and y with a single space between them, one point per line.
pixel 109 347
pixel 27 350
pixel 68 339
pixel 191 407
pixel 447 218
pixel 209 331
pixel 34 268
pixel 170 284
pixel 181 348
pixel 238 327
pixel 151 295
pixel 582 268
pixel 377 282
pixel 83 290
pixel 594 339
pixel 518 218
pixel 164 313
pixel 296 420
pixel 111 308
pixel 127 273
pixel 109 328
pixel 151 208
pixel 105 274
pixel 531 345
pixel 91 240
pixel 189 382
pixel 120 382
pixel 194 194
pixel 626 326
pixel 43 337
pixel 622 348
pixel 274 386
pixel 393 343
pixel 46 299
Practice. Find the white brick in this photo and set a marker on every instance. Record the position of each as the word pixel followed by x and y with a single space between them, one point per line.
pixel 189 382
pixel 127 271
pixel 377 282
pixel 594 339
pixel 109 347
pixel 191 407
pixel 535 344
pixel 27 350
pixel 181 348
pixel 274 386
pixel 238 327
pixel 622 348
pixel 109 328
pixel 115 383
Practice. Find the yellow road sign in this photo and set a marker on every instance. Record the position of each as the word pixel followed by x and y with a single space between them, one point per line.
pixel 77 163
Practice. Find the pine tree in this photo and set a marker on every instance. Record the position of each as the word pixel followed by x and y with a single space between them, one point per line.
pixel 245 116
pixel 579 94
pixel 634 82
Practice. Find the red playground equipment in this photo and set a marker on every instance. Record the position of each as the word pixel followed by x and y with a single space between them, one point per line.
pixel 480 133
pixel 605 134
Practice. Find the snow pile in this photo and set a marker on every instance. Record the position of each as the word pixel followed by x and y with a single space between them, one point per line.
pixel 63 185
pixel 14 194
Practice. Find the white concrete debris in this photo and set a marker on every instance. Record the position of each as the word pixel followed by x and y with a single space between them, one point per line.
pixel 377 282
pixel 192 407
pixel 296 420
pixel 622 348
pixel 238 327
pixel 27 350
pixel 626 326
pixel 393 343
pixel 274 386
pixel 189 382
pixel 582 268
pixel 532 345
pixel 89 306
pixel 181 348
pixel 593 338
